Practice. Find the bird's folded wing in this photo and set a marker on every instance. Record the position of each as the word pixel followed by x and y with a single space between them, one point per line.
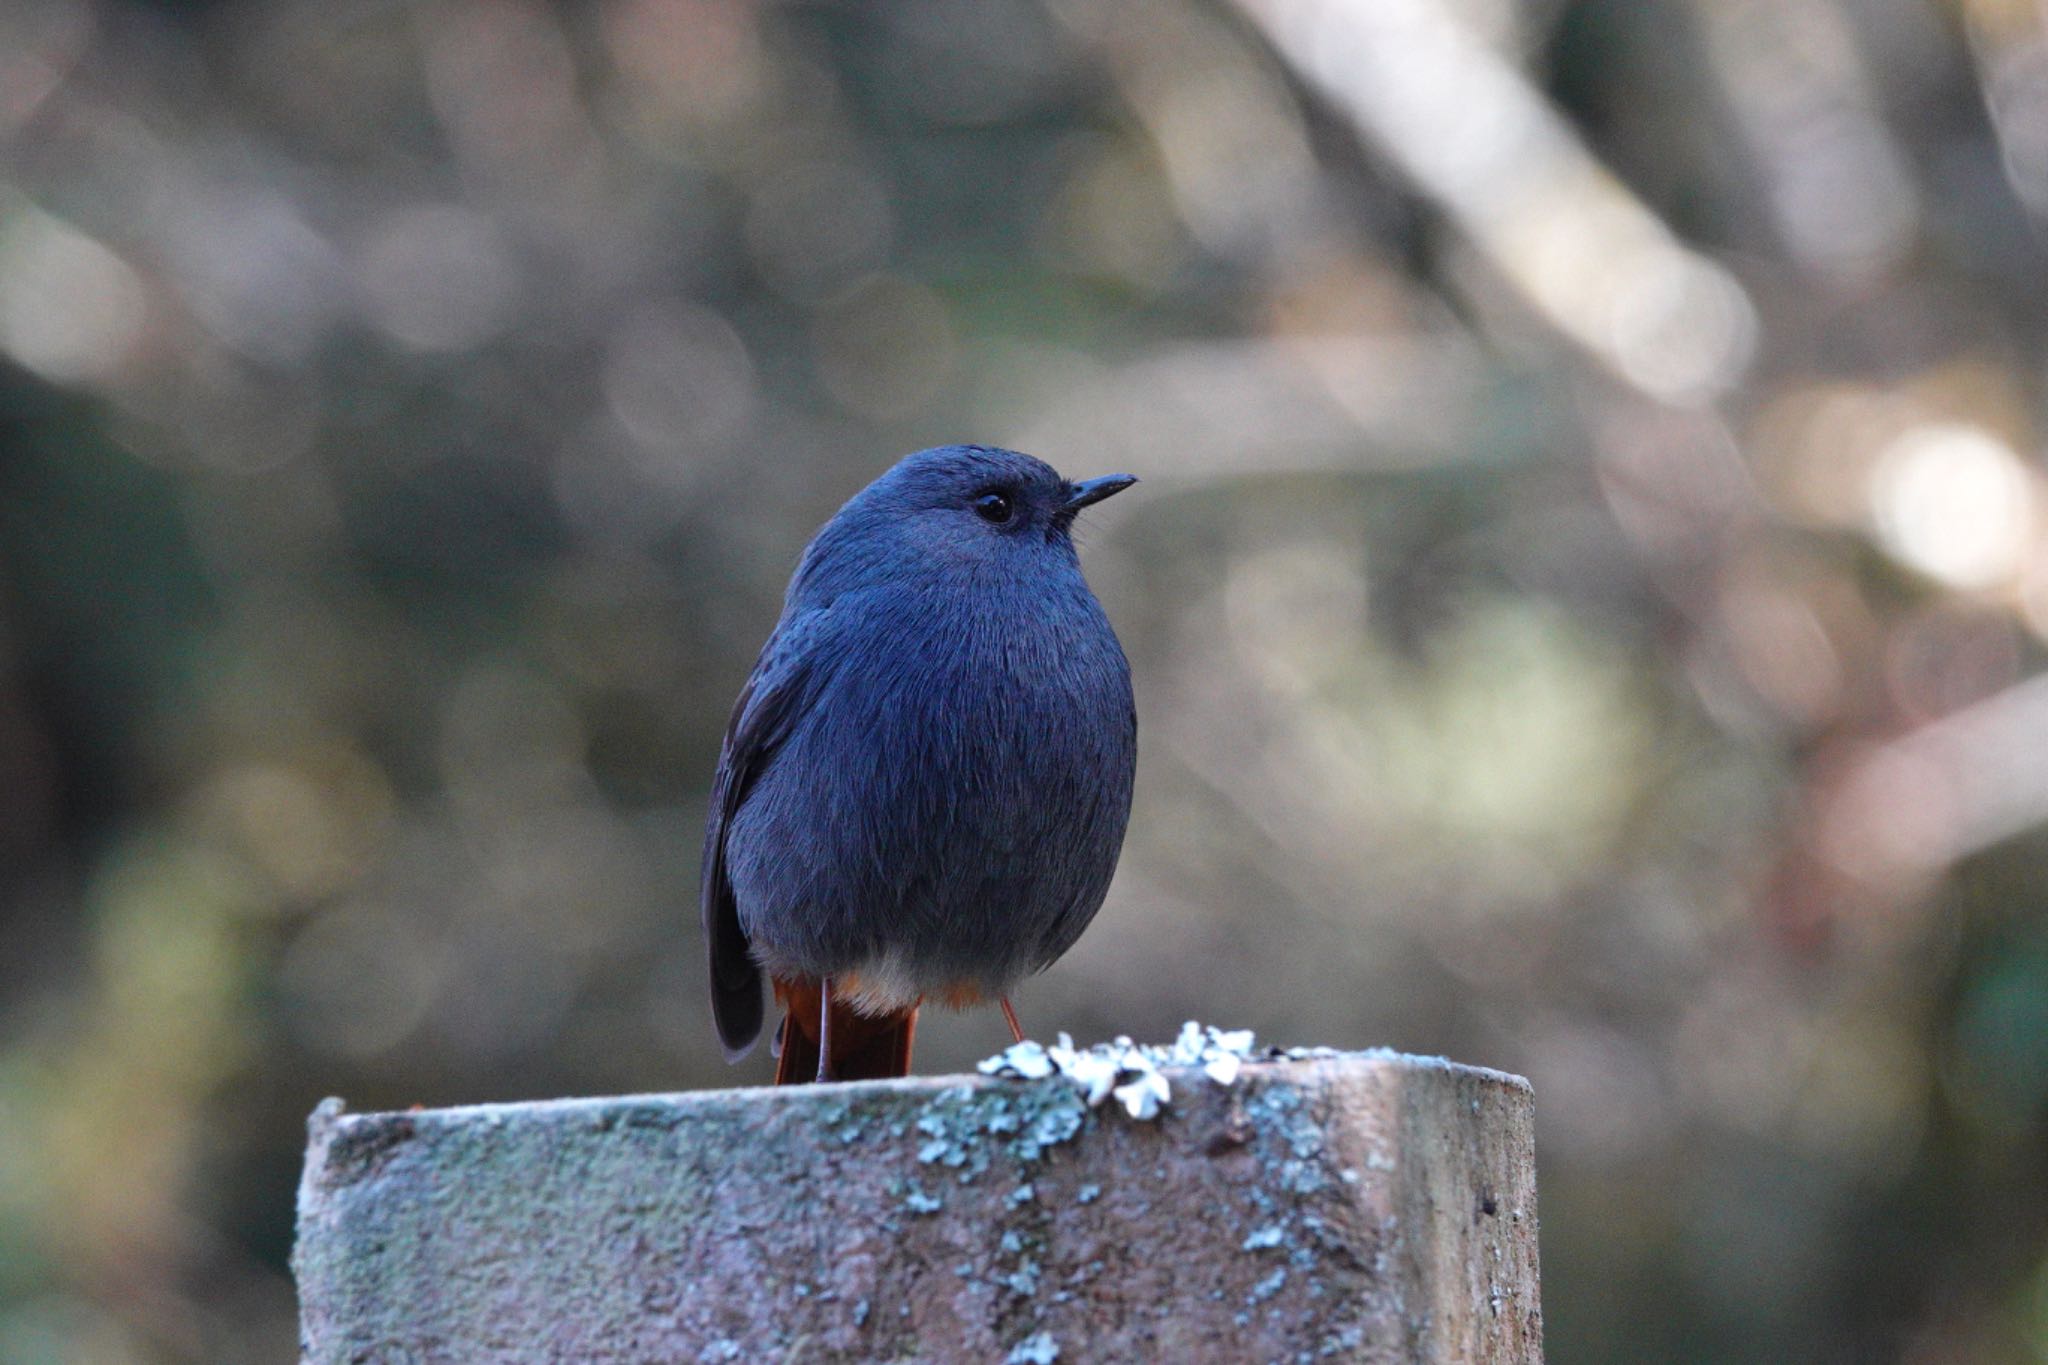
pixel 777 693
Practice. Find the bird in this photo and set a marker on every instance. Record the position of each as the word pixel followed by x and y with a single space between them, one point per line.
pixel 926 780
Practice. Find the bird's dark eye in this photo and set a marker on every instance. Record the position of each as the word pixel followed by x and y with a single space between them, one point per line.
pixel 993 507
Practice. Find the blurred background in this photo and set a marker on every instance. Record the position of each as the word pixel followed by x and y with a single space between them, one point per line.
pixel 1588 592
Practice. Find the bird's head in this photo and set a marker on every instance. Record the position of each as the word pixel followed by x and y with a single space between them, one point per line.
pixel 977 504
pixel 987 492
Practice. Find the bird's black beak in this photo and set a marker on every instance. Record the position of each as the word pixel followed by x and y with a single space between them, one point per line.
pixel 1091 491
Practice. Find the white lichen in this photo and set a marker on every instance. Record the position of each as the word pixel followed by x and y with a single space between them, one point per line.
pixel 1036 1349
pixel 1144 1094
pixel 1132 1072
pixel 1265 1238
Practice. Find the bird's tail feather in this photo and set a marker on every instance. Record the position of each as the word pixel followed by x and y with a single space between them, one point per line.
pixel 864 1047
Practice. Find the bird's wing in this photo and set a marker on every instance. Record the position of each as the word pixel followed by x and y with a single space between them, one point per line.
pixel 775 696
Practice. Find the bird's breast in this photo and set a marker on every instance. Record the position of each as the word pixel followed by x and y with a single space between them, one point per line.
pixel 956 790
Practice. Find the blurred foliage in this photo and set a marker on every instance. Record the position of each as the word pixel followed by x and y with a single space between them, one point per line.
pixel 1587 595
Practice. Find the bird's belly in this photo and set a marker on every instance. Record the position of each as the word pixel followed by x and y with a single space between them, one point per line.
pixel 924 838
pixel 903 933
pixel 890 982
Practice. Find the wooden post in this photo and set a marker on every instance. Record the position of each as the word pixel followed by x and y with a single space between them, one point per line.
pixel 1346 1207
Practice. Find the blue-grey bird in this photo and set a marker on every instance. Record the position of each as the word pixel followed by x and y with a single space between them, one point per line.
pixel 925 783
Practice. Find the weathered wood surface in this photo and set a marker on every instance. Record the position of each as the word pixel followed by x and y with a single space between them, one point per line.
pixel 1353 1207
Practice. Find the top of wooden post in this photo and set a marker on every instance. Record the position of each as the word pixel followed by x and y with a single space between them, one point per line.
pixel 1326 1206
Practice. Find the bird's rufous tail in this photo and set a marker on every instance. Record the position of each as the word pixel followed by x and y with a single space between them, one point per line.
pixel 858 1047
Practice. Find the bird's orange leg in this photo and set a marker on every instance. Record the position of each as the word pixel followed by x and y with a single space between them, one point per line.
pixel 1016 1029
